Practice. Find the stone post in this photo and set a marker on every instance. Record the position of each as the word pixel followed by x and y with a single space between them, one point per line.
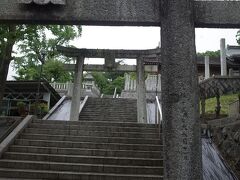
pixel 126 81
pixel 207 69
pixel 141 92
pixel 230 72
pixel 76 96
pixel 181 122
pixel 223 57
pixel 218 106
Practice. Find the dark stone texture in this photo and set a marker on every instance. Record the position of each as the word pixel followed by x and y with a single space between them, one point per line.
pixel 43 2
pixel 118 12
pixel 181 124
pixel 227 139
pixel 94 12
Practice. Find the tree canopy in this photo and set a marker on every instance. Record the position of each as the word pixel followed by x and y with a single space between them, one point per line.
pixel 23 44
pixel 213 54
pixel 44 38
pixel 108 81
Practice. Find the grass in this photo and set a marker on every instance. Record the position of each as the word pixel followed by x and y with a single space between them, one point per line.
pixel 224 100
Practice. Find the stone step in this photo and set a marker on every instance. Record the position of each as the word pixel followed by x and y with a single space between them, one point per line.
pixel 89 139
pixel 92 133
pixel 105 101
pixel 39 174
pixel 81 167
pixel 115 115
pixel 91 145
pixel 96 123
pixel 86 152
pixel 93 128
pixel 119 108
pixel 110 108
pixel 83 159
pixel 107 119
pixel 112 105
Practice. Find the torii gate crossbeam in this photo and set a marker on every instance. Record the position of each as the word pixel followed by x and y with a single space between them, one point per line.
pixel 214 14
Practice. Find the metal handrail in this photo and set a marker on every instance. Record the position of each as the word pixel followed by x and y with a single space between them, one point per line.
pixel 159 114
pixel 83 104
pixel 159 108
pixel 54 108
pixel 115 93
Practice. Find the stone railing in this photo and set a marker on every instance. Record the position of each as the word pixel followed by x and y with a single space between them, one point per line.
pixel 60 87
pixel 152 83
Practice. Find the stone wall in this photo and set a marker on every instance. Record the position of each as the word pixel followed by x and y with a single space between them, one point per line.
pixel 227 139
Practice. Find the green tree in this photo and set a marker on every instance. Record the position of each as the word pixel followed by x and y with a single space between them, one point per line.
pixel 28 40
pixel 117 83
pixel 53 71
pixel 213 54
pixel 108 81
pixel 100 80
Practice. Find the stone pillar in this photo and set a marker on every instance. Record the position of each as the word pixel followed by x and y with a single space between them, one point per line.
pixel 76 96
pixel 181 122
pixel 126 82
pixel 223 57
pixel 141 92
pixel 207 69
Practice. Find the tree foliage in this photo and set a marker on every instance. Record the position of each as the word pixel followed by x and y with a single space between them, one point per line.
pixel 44 38
pixel 28 40
pixel 108 81
pixel 211 54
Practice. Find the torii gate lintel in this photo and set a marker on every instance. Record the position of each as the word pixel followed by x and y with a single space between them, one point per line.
pixel 207 14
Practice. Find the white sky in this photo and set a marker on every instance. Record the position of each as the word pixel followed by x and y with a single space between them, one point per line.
pixel 143 38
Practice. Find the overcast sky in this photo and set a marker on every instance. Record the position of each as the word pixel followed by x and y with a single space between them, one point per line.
pixel 143 38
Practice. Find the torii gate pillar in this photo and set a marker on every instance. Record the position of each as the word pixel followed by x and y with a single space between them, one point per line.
pixel 141 92
pixel 76 94
pixel 181 124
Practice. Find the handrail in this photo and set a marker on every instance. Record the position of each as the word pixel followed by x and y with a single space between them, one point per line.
pixel 83 104
pixel 14 134
pixel 159 107
pixel 56 106
pixel 159 115
pixel 115 93
pixel 10 129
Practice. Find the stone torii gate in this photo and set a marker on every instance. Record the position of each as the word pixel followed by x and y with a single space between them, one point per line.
pixel 110 65
pixel 178 19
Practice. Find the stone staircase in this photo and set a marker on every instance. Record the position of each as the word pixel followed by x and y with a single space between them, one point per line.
pixel 94 148
pixel 106 109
